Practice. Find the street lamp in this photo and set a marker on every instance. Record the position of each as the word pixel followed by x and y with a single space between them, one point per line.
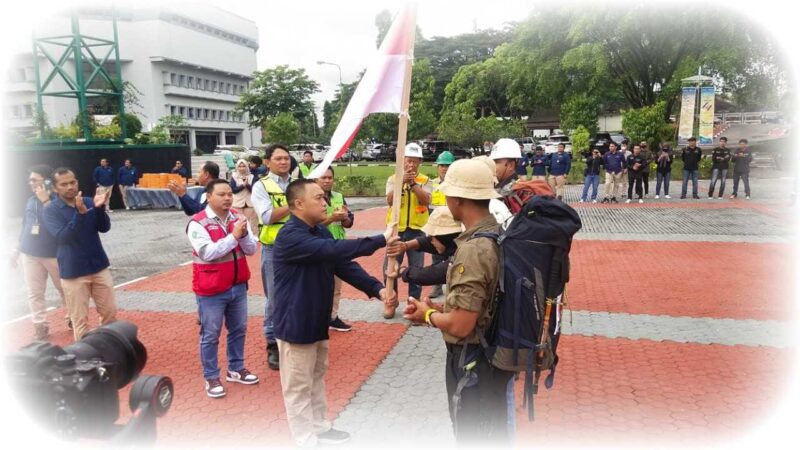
pixel 338 67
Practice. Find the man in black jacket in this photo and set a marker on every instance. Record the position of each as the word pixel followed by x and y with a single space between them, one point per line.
pixel 691 157
pixel 663 169
pixel 741 168
pixel 720 156
pixel 635 164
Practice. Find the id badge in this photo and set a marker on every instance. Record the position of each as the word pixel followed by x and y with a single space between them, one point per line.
pixel 35 230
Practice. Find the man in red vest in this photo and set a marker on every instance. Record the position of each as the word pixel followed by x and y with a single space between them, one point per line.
pixel 220 241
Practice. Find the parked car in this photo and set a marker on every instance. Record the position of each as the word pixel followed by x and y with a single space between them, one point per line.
pixel 551 146
pixel 348 156
pixel 770 117
pixel 432 149
pixel 602 140
pixel 386 152
pixel 527 144
pixel 317 150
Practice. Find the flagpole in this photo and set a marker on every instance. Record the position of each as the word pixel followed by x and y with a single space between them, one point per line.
pixel 402 130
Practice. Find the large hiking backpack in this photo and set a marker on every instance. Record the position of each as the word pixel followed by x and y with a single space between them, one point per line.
pixel 534 270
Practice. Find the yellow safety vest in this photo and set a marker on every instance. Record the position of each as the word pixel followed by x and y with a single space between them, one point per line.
pixel 437 196
pixel 412 214
pixel 336 228
pixel 305 170
pixel 268 232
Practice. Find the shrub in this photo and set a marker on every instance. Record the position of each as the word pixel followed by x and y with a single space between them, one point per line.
pixel 110 131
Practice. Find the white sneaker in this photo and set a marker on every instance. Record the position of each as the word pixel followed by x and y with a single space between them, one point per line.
pixel 594 201
pixel 641 201
pixel 127 208
pixel 747 198
pixel 667 196
pixel 628 201
pixel 580 201
pixel 214 388
pixel 656 197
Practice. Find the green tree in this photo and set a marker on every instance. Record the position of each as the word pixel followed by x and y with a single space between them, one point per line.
pixel 283 128
pixel 278 90
pixel 580 110
pixel 580 139
pixel 647 124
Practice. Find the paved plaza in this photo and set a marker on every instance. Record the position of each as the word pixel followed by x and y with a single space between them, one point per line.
pixel 681 331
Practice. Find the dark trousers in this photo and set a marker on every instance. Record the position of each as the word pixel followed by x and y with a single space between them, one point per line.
pixel 646 182
pixel 483 416
pixel 662 178
pixel 634 178
pixel 745 176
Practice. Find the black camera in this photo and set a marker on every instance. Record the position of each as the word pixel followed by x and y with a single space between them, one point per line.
pixel 73 390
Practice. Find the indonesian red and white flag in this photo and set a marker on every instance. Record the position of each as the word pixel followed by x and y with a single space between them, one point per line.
pixel 380 89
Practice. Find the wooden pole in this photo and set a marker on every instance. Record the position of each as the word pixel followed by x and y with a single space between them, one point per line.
pixel 402 130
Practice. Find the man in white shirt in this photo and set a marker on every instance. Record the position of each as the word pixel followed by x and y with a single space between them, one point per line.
pixel 220 240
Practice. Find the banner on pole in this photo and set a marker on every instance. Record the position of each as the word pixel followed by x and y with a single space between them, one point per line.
pixel 686 126
pixel 706 133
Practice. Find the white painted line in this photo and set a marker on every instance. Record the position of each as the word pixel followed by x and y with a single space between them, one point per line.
pixel 27 316
pixel 185 263
pixel 129 282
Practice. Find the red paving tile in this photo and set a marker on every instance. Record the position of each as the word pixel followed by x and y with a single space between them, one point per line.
pixel 623 391
pixel 255 411
pixel 695 279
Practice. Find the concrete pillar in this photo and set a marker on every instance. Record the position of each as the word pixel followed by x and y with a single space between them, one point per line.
pixel 222 137
pixel 192 139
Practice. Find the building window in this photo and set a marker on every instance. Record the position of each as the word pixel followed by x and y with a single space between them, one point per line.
pixel 191 82
pixel 191 113
pixel 199 84
pixel 214 114
pixel 182 80
pixel 182 111
pixel 14 111
pixel 228 88
pixel 205 114
pixel 172 110
pixel 172 79
pixel 213 85
pixel 28 111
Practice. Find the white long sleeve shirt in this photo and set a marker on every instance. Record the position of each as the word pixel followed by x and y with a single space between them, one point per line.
pixel 261 199
pixel 208 250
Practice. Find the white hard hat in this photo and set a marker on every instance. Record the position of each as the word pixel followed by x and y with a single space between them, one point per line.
pixel 506 148
pixel 413 151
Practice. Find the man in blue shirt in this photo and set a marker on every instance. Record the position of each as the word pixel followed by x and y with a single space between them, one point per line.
pixel 614 162
pixel 76 221
pixel 180 170
pixel 558 166
pixel 38 250
pixel 127 176
pixel 103 176
pixel 538 162
pixel 306 258
pixel 191 206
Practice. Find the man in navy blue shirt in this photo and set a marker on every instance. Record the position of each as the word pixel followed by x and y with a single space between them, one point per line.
pixel 180 170
pixel 103 176
pixel 38 250
pixel 191 206
pixel 76 222
pixel 306 258
pixel 127 176
pixel 558 166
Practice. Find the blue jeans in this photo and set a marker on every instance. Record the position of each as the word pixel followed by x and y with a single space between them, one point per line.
pixel 593 181
pixel 686 175
pixel 268 281
pixel 230 306
pixel 662 177
pixel 511 419
pixel 415 259
pixel 717 174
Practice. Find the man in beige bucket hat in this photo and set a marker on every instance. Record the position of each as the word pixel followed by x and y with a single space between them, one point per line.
pixel 471 282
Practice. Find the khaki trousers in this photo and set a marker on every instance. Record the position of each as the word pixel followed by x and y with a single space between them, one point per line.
pixel 36 271
pixel 557 182
pixel 613 184
pixel 303 368
pixel 337 294
pixel 77 291
pixel 539 177
pixel 123 190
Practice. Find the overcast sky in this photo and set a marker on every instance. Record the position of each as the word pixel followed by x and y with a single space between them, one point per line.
pixel 301 32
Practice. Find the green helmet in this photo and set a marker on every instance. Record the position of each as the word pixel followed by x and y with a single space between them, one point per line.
pixel 445 158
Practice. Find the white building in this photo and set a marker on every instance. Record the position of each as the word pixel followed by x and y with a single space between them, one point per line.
pixel 192 61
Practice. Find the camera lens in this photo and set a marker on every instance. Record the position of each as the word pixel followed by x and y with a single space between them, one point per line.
pixel 117 345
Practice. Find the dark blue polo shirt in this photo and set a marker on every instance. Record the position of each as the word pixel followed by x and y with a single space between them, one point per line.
pixel 80 251
pixel 127 176
pixel 305 261
pixel 104 176
pixel 42 244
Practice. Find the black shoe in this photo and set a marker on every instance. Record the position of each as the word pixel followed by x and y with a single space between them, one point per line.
pixel 333 437
pixel 696 197
pixel 273 358
pixel 605 200
pixel 338 325
pixel 614 200
pixel 683 197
